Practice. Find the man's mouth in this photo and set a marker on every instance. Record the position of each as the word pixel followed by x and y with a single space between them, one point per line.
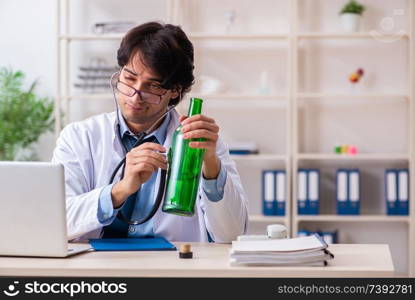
pixel 135 107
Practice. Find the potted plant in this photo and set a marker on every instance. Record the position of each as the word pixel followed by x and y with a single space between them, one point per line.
pixel 350 15
pixel 23 116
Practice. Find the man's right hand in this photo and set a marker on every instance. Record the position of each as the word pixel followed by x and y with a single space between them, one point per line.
pixel 140 164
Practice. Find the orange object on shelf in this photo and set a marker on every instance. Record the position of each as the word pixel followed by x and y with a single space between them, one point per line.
pixel 355 76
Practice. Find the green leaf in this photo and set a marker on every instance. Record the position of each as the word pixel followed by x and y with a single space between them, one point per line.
pixel 24 116
pixel 353 7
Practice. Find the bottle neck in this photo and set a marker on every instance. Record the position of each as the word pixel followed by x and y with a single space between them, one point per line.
pixel 195 107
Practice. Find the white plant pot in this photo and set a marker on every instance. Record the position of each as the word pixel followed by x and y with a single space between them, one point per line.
pixel 350 22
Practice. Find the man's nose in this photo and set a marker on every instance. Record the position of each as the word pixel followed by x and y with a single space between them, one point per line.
pixel 137 95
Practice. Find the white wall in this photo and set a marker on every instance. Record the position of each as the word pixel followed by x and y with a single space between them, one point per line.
pixel 28 35
pixel 28 43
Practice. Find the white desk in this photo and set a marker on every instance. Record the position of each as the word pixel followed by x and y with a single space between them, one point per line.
pixel 209 260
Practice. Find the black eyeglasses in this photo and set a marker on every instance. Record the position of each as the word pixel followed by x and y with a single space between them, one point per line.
pixel 145 96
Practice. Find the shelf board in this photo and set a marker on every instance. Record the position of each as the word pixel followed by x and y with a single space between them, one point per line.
pixel 241 96
pixel 248 104
pixel 91 96
pixel 92 36
pixel 241 36
pixel 271 219
pixel 238 97
pixel 363 156
pixel 256 157
pixel 358 218
pixel 353 35
pixel 213 102
pixel 351 95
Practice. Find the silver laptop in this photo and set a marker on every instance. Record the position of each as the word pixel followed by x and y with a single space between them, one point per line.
pixel 33 211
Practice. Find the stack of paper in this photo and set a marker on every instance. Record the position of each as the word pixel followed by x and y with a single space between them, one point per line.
pixel 301 251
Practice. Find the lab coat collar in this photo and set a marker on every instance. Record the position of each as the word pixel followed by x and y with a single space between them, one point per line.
pixel 159 133
pixel 172 124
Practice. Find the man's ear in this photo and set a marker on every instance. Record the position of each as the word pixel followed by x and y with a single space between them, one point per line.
pixel 175 92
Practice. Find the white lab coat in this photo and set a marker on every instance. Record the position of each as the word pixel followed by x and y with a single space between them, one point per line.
pixel 90 150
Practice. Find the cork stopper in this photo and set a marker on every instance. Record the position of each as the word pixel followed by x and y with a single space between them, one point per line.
pixel 185 248
pixel 185 251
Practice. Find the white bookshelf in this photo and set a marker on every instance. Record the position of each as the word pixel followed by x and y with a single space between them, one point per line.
pixel 352 96
pixel 348 218
pixel 267 219
pixel 197 36
pixel 356 157
pixel 336 35
pixel 210 96
pixel 367 221
pixel 257 157
pixel 244 96
pixel 92 37
pixel 288 104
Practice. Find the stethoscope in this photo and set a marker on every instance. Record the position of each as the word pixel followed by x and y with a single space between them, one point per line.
pixel 140 137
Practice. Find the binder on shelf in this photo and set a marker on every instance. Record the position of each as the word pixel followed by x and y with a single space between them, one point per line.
pixel 348 191
pixel 273 192
pixel 268 192
pixel 397 191
pixel 403 192
pixel 301 233
pixel 313 191
pixel 308 191
pixel 330 237
pixel 354 192
pixel 302 192
pixel 391 191
pixel 341 191
pixel 280 194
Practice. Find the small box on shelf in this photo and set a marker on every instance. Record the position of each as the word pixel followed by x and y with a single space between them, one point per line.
pixel 243 148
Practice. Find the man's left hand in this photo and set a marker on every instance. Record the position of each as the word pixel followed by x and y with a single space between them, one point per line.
pixel 200 126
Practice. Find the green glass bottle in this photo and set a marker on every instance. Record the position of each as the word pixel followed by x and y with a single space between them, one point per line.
pixel 185 166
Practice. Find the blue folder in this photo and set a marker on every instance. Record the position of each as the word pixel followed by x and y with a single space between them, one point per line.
pixel 308 191
pixel 391 191
pixel 354 192
pixel 279 192
pixel 302 192
pixel 313 191
pixel 268 193
pixel 342 184
pixel 403 192
pixel 132 244
pixel 397 191
pixel 348 191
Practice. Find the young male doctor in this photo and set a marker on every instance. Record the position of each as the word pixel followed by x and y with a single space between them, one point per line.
pixel 156 70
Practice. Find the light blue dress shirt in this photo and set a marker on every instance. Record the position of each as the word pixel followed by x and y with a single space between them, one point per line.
pixel 214 188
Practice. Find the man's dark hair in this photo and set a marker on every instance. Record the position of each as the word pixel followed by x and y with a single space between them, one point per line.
pixel 166 50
